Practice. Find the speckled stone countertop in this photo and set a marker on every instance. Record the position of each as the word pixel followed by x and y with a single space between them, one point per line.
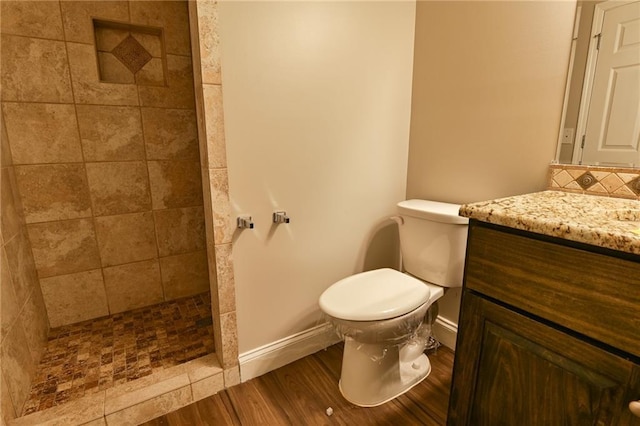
pixel 600 221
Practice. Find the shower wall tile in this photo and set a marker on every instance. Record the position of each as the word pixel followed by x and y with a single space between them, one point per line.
pixel 224 268
pixel 179 90
pixel 175 184
pixel 133 285
pixel 180 230
pixel 216 146
pixel 9 307
pixel 87 87
pixel 7 412
pixel 64 247
pixel 172 16
pixel 112 70
pixel 17 366
pixel 209 41
pixel 229 328
pixel 53 192
pixel 152 74
pixel 32 19
pixel 74 297
pixel 36 325
pixel 77 15
pixel 126 238
pixel 184 274
pixel 5 154
pixel 110 133
pixel 34 70
pixel 22 267
pixel 42 133
pixel 170 134
pixel 12 213
pixel 119 187
pixel 223 226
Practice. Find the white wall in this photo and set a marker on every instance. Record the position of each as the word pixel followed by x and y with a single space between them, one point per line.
pixel 317 108
pixel 488 86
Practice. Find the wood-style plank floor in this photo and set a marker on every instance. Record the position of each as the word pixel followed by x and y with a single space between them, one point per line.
pixel 301 392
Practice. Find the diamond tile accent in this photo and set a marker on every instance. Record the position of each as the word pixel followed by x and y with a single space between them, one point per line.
pixel 634 185
pixel 132 54
pixel 586 180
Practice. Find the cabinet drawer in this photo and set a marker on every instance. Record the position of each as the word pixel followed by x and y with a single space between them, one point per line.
pixel 591 293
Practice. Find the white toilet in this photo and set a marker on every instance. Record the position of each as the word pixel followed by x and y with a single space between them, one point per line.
pixel 379 312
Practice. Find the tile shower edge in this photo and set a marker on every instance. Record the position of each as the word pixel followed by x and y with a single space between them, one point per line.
pixel 133 400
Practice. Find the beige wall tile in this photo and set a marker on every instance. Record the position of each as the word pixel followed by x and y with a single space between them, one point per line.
pixel 5 154
pixel 152 74
pixel 113 71
pixel 7 412
pixel 110 133
pixel 74 297
pixel 17 366
pixel 216 145
pixel 34 319
pixel 12 214
pixel 77 15
pixel 133 285
pixel 180 230
pixel 151 408
pixel 170 134
pixel 225 278
pixel 8 303
pixel 107 38
pixel 64 247
pixel 53 192
pixel 126 238
pixel 229 329
pixel 32 18
pixel 87 88
pixel 22 267
pixel 172 16
pixel 151 42
pixel 184 274
pixel 34 70
pixel 179 92
pixel 118 187
pixel 42 133
pixel 175 184
pixel 209 41
pixel 223 225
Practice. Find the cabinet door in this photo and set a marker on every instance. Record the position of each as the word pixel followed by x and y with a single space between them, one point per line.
pixel 511 370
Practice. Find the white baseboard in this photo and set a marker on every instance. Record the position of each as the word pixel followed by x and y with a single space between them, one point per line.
pixel 446 332
pixel 274 355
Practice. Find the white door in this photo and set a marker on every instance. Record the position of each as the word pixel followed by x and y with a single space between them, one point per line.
pixel 613 124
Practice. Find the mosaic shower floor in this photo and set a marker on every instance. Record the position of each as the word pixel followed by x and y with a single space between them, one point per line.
pixel 93 355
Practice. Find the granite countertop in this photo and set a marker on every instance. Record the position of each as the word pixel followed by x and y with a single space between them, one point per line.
pixel 600 221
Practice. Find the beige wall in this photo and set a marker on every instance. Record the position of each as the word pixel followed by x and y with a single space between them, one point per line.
pixel 488 88
pixel 317 98
pixel 107 166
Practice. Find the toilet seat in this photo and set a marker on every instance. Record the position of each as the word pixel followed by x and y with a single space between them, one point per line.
pixel 374 295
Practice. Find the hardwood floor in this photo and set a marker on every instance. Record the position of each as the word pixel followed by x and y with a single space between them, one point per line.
pixel 301 392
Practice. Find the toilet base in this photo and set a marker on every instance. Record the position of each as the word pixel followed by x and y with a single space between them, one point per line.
pixel 372 375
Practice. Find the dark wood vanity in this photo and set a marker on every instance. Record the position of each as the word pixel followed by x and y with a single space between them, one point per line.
pixel 549 332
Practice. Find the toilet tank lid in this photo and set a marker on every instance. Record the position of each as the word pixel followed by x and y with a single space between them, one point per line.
pixel 432 210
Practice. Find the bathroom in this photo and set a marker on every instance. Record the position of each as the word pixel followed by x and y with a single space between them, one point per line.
pixel 332 112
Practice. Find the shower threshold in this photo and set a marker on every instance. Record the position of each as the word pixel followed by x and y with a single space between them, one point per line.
pixel 86 358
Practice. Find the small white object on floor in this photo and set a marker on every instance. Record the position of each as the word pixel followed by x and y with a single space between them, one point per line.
pixel 329 411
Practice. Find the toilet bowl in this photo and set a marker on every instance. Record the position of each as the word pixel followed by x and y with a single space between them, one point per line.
pixel 380 313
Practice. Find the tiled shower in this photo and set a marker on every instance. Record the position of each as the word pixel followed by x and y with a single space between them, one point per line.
pixel 103 214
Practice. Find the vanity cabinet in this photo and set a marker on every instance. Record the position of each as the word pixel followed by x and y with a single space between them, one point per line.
pixel 549 332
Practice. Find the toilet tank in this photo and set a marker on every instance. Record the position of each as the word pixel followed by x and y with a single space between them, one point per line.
pixel 433 240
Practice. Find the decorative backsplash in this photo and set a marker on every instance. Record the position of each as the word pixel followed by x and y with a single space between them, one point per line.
pixel 604 181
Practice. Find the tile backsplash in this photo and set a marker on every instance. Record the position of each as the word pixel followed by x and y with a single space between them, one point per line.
pixel 604 181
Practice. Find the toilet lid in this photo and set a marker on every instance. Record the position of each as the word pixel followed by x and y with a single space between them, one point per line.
pixel 374 295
